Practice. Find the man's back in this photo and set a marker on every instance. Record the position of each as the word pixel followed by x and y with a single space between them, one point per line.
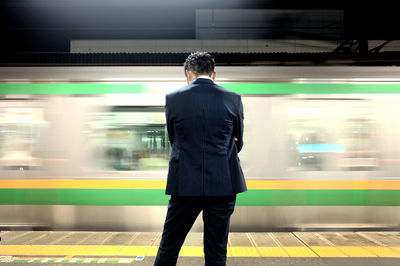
pixel 205 129
pixel 203 119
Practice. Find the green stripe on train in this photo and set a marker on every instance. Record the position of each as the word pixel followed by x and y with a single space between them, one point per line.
pixel 156 197
pixel 242 88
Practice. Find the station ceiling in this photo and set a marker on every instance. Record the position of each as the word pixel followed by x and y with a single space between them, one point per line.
pixel 49 25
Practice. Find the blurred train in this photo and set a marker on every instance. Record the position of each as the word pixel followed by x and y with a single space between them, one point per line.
pixel 86 148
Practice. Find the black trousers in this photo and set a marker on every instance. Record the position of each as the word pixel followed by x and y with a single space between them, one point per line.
pixel 182 213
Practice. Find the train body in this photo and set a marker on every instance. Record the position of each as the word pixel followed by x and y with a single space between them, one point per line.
pixel 86 148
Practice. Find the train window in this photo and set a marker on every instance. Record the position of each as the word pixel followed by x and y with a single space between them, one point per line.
pixel 332 135
pixel 130 139
pixel 20 129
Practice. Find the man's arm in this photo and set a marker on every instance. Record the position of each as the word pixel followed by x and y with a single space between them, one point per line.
pixel 238 136
pixel 170 124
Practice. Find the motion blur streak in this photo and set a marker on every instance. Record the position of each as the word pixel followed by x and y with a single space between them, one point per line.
pixel 312 155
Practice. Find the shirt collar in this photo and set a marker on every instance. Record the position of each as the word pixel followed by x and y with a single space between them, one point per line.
pixel 204 77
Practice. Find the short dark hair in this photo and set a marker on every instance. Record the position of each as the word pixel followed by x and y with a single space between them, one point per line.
pixel 200 63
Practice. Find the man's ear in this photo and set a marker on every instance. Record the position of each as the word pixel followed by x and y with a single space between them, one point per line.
pixel 213 75
pixel 188 76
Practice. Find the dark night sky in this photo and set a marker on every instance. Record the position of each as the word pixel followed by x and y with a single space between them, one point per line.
pixel 49 25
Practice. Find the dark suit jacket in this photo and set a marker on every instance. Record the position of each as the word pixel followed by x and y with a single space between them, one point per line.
pixel 202 120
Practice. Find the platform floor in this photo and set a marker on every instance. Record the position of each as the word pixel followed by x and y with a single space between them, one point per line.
pixel 296 248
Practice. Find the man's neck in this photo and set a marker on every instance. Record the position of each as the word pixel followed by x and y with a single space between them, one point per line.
pixel 203 77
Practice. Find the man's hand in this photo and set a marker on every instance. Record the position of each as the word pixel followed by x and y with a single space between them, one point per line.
pixel 235 139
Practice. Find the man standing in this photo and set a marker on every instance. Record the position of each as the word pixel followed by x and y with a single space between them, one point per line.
pixel 205 128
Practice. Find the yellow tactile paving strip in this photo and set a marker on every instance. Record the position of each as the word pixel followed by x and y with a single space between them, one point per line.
pixel 356 252
pixel 272 252
pixel 195 251
pixel 244 252
pixel 160 184
pixel 383 252
pixel 329 252
pixel 21 246
pixel 300 252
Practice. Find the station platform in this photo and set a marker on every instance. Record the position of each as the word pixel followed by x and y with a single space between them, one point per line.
pixel 253 248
